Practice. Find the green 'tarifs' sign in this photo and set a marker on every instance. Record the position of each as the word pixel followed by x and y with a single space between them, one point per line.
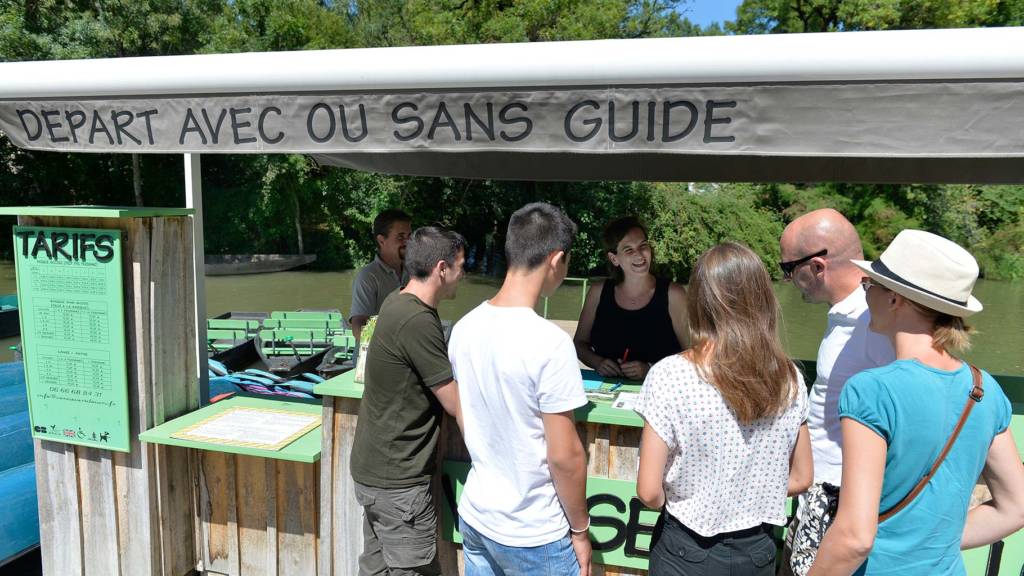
pixel 621 526
pixel 72 328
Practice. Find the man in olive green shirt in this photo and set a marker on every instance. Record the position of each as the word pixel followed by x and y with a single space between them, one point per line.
pixel 408 382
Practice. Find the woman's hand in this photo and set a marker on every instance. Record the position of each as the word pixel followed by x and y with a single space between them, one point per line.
pixel 634 370
pixel 609 368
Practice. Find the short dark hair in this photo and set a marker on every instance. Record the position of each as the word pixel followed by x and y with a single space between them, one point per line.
pixel 535 231
pixel 384 220
pixel 427 246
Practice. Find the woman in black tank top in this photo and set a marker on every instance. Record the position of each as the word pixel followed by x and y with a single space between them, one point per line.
pixel 633 319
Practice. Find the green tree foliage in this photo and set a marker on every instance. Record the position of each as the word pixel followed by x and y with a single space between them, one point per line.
pixel 69 29
pixel 277 25
pixel 986 218
pixel 72 29
pixel 691 219
pixel 429 22
pixel 789 16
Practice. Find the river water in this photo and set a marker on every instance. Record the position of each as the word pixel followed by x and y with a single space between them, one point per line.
pixel 999 346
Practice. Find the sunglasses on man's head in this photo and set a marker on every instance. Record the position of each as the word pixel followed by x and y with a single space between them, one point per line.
pixel 789 267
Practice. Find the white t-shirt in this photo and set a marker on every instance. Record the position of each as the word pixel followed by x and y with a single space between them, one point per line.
pixel 512 366
pixel 847 348
pixel 721 475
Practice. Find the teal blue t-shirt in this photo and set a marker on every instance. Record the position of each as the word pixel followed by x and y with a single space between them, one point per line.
pixel 914 408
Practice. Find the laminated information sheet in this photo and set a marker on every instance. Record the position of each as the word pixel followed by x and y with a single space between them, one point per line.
pixel 264 428
pixel 72 318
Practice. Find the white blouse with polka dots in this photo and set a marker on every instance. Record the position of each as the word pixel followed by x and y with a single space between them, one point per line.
pixel 721 475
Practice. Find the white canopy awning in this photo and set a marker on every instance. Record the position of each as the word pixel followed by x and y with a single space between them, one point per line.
pixel 906 106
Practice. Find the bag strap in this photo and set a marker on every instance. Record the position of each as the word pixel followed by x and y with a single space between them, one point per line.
pixel 976 394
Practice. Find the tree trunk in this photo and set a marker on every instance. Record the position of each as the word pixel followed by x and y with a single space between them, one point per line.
pixel 298 221
pixel 137 179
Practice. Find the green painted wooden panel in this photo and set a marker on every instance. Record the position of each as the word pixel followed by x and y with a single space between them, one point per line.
pixel 232 324
pixel 305 315
pixel 71 299
pixel 238 336
pixel 290 340
pixel 326 324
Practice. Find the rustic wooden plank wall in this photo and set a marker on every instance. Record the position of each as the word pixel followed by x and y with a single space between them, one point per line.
pixel 617 448
pixel 341 518
pixel 109 513
pixel 259 517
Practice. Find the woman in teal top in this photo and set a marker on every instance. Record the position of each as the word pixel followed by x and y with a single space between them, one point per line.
pixel 897 418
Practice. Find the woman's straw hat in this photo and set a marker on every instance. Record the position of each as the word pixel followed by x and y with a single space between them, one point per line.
pixel 928 269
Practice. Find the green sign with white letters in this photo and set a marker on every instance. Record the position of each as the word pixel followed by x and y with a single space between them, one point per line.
pixel 71 303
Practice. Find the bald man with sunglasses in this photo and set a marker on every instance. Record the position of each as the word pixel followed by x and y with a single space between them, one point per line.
pixel 816 252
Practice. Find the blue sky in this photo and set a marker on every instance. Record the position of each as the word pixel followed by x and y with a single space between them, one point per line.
pixel 705 12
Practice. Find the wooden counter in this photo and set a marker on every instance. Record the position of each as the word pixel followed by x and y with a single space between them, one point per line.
pixel 621 525
pixel 612 437
pixel 257 508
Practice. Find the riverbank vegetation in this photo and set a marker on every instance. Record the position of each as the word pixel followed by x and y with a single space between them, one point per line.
pixel 285 203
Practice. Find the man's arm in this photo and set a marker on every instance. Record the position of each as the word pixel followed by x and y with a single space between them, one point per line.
pixel 447 394
pixel 568 464
pixel 357 323
pixel 364 291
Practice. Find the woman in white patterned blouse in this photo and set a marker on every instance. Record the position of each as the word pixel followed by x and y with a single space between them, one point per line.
pixel 725 436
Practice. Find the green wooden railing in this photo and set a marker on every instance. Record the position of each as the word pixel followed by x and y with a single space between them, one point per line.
pixel 583 291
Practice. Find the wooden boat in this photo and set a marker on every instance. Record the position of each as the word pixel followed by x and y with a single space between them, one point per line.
pixel 248 368
pixel 9 325
pixel 251 354
pixel 231 264
pixel 280 353
pixel 282 335
pixel 287 361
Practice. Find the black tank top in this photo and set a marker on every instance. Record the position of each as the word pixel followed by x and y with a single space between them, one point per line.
pixel 646 332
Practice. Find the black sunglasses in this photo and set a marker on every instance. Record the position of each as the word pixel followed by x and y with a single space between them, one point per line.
pixel 789 267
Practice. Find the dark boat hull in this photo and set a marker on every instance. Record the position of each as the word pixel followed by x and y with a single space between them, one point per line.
pixel 9 325
pixel 232 264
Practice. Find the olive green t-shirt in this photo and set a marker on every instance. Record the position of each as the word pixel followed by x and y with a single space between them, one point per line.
pixel 399 416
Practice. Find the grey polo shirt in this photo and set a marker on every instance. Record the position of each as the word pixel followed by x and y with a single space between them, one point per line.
pixel 372 285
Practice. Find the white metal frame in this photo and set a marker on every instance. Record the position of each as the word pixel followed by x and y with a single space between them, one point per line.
pixel 982 53
pixel 194 200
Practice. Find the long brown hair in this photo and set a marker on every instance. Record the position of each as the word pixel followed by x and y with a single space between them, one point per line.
pixel 733 326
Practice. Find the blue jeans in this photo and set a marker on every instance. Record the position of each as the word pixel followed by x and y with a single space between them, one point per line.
pixel 485 557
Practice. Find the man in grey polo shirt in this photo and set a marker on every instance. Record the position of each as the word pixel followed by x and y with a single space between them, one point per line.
pixel 384 274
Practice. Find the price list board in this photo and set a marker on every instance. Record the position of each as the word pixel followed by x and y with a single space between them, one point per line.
pixel 71 301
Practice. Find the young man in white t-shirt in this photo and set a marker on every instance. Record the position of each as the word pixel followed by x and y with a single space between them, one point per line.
pixel 524 508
